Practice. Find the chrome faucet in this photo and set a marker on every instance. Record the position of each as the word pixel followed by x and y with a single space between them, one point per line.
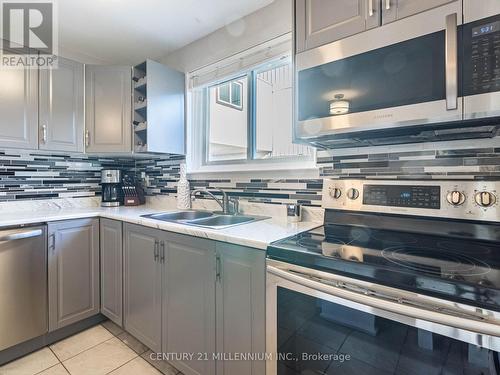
pixel 230 206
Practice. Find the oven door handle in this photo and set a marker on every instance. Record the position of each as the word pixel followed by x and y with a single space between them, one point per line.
pixel 472 324
pixel 451 60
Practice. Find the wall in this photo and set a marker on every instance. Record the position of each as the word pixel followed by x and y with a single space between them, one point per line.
pixel 163 174
pixel 458 160
pixel 26 175
pixel 461 160
pixel 254 29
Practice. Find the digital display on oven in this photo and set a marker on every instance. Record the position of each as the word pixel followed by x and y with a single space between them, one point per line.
pixel 486 29
pixel 414 196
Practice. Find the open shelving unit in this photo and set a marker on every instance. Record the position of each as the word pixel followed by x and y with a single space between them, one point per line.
pixel 158 106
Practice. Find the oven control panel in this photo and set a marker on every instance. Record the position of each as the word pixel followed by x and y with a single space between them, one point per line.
pixel 471 200
pixel 402 196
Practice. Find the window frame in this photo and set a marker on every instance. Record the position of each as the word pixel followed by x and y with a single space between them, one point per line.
pixel 198 162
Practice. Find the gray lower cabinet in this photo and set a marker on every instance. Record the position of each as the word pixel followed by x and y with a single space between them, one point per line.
pixel 142 276
pixel 19 108
pixel 73 271
pixel 184 294
pixel 189 302
pixel 112 270
pixel 108 106
pixel 61 112
pixel 319 22
pixel 240 307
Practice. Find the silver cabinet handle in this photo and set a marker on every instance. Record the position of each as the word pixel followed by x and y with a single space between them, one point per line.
pixel 451 59
pixel 87 138
pixel 156 251
pixel 12 235
pixel 387 4
pixel 218 267
pixel 162 252
pixel 53 246
pixel 370 8
pixel 44 133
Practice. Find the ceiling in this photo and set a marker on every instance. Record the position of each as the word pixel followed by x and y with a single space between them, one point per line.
pixel 128 31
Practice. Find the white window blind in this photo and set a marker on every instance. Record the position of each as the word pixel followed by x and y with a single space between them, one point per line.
pixel 242 61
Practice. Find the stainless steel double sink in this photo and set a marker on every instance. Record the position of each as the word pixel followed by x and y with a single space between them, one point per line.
pixel 205 219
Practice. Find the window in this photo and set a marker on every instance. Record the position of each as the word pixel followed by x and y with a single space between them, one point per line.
pixel 227 121
pixel 243 119
pixel 230 94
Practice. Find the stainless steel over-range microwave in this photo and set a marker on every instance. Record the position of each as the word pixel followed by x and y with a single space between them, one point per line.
pixel 440 66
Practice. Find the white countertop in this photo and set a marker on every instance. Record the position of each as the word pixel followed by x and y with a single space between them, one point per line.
pixel 255 234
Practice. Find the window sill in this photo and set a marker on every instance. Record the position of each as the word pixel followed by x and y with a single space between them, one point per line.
pixel 297 169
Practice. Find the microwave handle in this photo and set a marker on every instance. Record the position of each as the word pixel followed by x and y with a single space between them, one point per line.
pixel 451 60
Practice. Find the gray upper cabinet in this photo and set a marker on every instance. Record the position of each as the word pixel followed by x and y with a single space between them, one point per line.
pixel 240 307
pixel 108 93
pixel 142 284
pixel 393 10
pixel 111 270
pixel 189 302
pixel 73 271
pixel 19 108
pixel 61 113
pixel 319 22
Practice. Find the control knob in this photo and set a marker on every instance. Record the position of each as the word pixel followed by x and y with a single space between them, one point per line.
pixel 353 193
pixel 335 192
pixel 485 199
pixel 455 198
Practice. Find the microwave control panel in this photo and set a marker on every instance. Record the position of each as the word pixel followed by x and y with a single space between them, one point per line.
pixel 482 56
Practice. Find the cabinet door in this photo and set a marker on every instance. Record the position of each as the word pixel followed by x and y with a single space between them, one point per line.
pixel 393 10
pixel 111 270
pixel 189 302
pixel 61 123
pixel 142 285
pixel 73 271
pixel 19 108
pixel 108 97
pixel 240 307
pixel 319 22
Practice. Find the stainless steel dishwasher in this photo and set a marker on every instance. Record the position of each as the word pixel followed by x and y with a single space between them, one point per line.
pixel 23 284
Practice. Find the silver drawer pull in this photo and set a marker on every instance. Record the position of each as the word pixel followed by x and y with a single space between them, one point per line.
pixel 19 234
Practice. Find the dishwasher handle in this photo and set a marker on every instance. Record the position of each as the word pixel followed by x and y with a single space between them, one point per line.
pixel 19 234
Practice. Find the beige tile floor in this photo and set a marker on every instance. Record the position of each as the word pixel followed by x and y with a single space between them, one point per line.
pixel 103 349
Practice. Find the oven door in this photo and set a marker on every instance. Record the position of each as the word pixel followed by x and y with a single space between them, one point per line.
pixel 319 323
pixel 401 74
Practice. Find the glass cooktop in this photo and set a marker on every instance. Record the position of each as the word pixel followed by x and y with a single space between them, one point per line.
pixel 452 260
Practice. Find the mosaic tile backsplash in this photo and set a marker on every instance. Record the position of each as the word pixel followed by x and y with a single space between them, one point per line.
pixel 25 175
pixel 481 163
pixel 163 174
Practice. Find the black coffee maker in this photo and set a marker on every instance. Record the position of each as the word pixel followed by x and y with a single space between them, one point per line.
pixel 112 192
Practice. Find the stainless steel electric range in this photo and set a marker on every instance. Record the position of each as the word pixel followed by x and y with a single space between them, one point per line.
pixel 402 278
